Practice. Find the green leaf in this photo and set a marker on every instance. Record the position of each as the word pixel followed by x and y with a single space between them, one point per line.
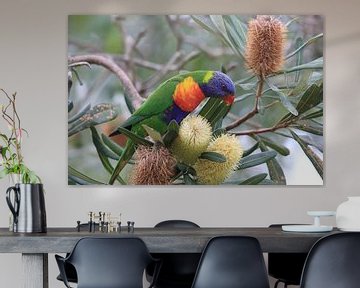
pixel 254 180
pixel 171 133
pixel 205 22
pixel 219 132
pixel 134 137
pixel 129 103
pixel 81 113
pixel 155 135
pixel 314 65
pixel 251 149
pixel 315 160
pixel 70 105
pixel 276 146
pixel 117 149
pixel 213 156
pixel 317 130
pixel 101 147
pixel 186 169
pixel 188 180
pixel 302 84
pixel 237 32
pixel 308 42
pixel 256 159
pixel 99 114
pixel 313 115
pixel 73 172
pixel 312 97
pixel 283 98
pixel 102 155
pixel 275 171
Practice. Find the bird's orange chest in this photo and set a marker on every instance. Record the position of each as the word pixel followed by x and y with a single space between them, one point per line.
pixel 188 94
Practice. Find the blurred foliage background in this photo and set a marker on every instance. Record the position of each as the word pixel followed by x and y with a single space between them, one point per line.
pixel 151 49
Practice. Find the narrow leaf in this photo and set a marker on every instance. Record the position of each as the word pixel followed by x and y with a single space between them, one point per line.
pixel 155 135
pixel 134 137
pixel 73 172
pixel 275 171
pixel 256 159
pixel 317 130
pixel 276 146
pixel 99 114
pixel 251 150
pixel 103 157
pixel 117 149
pixel 171 133
pixel 284 99
pixel 315 114
pixel 81 113
pixel 213 156
pixel 315 160
pixel 315 64
pixel 308 42
pixel 254 180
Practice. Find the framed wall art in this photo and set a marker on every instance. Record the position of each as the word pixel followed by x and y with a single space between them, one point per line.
pixel 195 99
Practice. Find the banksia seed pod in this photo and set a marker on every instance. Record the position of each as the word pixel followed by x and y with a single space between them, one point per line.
pixel 154 166
pixel 193 139
pixel 209 172
pixel 265 45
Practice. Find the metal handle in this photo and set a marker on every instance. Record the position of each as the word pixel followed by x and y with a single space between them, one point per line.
pixel 13 208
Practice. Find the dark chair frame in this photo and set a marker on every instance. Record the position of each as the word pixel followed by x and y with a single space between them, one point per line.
pixel 217 270
pixel 178 269
pixel 333 262
pixel 62 262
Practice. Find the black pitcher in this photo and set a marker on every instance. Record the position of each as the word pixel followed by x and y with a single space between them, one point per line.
pixel 28 208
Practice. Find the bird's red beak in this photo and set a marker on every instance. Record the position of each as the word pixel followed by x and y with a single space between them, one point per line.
pixel 229 99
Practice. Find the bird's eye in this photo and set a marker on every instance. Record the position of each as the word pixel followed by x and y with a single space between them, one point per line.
pixel 223 86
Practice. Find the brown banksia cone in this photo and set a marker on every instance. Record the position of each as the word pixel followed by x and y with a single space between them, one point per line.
pixel 154 166
pixel 265 45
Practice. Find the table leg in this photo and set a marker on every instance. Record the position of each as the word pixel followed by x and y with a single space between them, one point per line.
pixel 35 270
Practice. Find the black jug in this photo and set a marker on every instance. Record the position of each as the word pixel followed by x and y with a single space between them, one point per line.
pixel 28 208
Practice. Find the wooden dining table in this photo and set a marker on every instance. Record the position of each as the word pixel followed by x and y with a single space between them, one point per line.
pixel 35 247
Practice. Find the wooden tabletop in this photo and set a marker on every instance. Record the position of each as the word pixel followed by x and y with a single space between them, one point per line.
pixel 158 240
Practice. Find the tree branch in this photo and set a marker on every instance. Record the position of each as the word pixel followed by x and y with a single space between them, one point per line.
pixel 263 130
pixel 114 68
pixel 253 112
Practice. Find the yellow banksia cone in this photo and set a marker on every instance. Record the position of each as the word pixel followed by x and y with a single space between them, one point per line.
pixel 154 166
pixel 265 45
pixel 193 139
pixel 209 172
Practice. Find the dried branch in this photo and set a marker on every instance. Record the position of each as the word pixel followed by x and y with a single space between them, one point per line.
pixel 114 68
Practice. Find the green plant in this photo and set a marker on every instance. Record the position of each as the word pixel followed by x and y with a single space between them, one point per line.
pixel 12 161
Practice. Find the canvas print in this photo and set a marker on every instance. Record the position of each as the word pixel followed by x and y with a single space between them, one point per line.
pixel 195 100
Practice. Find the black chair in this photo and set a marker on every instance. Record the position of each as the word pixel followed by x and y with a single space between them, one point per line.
pixel 108 263
pixel 286 267
pixel 70 271
pixel 178 269
pixel 232 262
pixel 333 262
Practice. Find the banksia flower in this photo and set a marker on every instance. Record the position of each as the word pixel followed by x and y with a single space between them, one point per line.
pixel 265 45
pixel 154 166
pixel 209 172
pixel 193 139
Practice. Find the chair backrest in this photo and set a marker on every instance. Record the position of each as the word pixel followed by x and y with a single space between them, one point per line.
pixel 176 224
pixel 333 262
pixel 232 262
pixel 110 262
pixel 178 269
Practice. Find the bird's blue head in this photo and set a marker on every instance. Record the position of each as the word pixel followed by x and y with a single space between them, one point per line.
pixel 219 85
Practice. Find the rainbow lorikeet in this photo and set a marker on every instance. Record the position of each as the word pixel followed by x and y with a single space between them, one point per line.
pixel 174 100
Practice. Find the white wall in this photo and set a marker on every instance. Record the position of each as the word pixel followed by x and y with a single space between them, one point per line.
pixel 33 44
